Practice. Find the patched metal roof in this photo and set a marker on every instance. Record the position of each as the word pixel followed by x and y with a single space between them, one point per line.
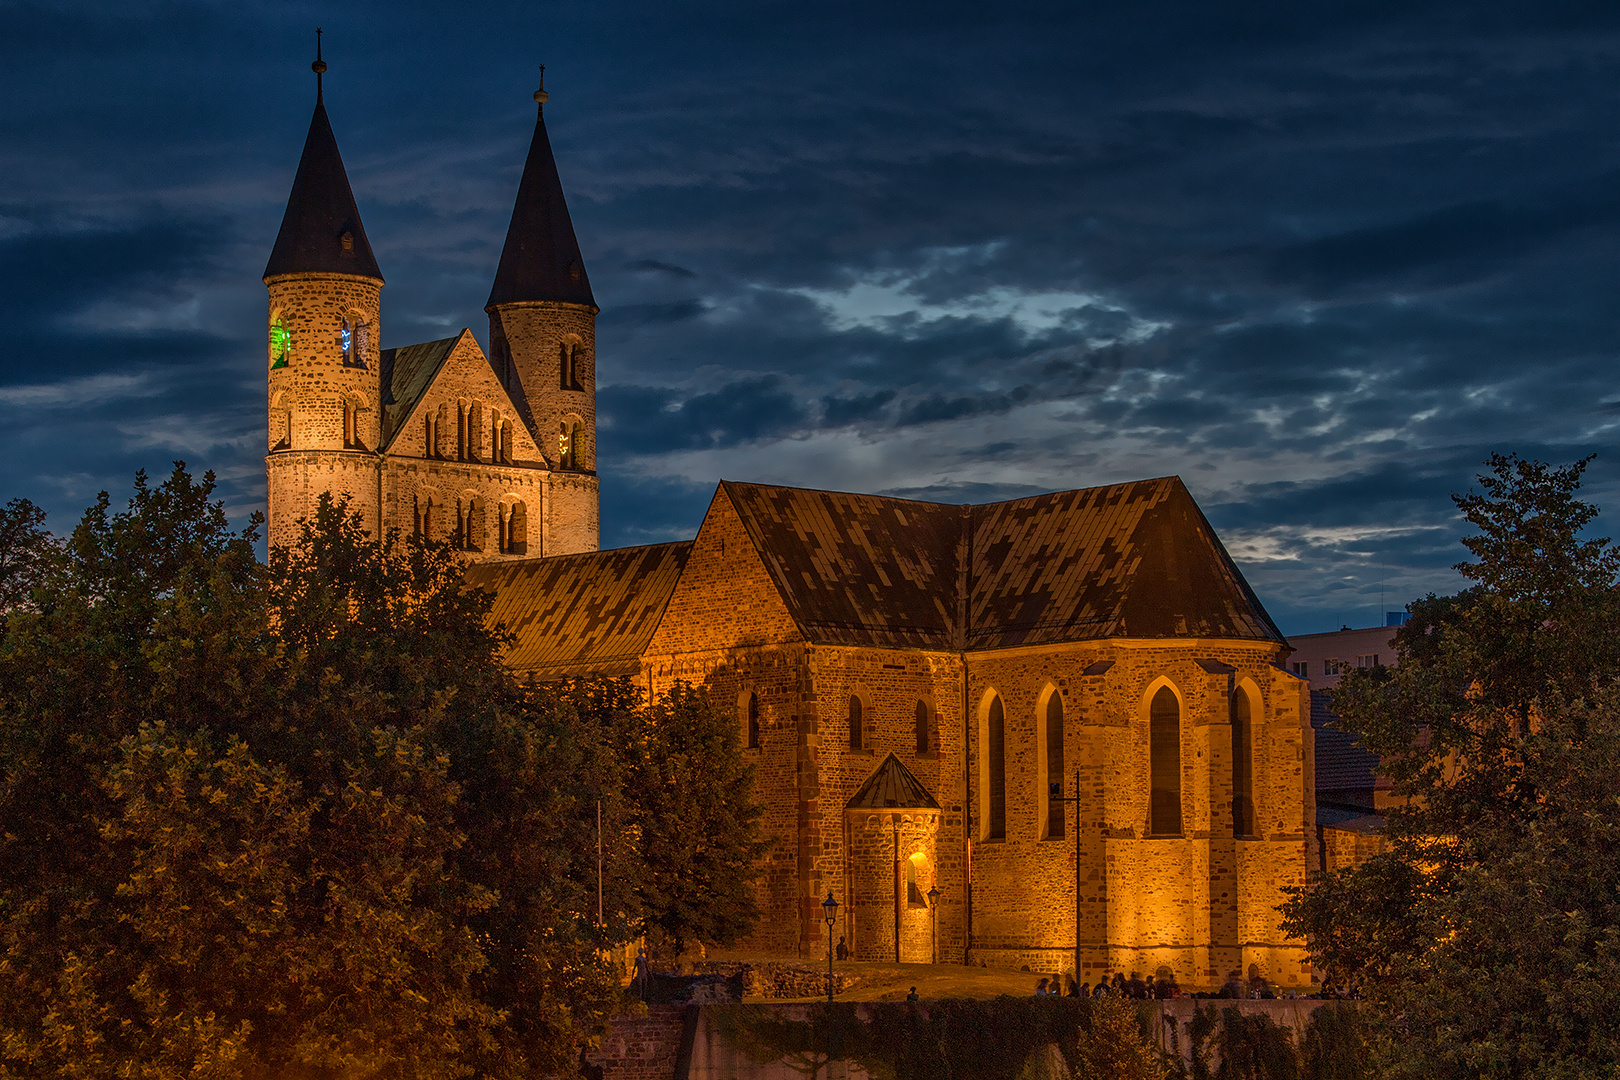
pixel 407 372
pixel 1125 560
pixel 586 614
pixel 857 569
pixel 892 787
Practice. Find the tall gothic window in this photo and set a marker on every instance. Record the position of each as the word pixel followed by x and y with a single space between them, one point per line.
pixel 922 728
pixel 855 732
pixel 753 721
pixel 1164 754
pixel 1242 764
pixel 995 756
pixel 1054 761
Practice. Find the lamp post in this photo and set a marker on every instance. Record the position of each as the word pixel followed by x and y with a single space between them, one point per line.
pixel 1055 793
pixel 830 907
pixel 933 917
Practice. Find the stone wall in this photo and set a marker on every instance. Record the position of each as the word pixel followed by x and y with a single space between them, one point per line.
pixel 526 344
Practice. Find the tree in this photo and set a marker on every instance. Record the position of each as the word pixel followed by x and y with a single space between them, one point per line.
pixel 28 553
pixel 689 798
pixel 1490 928
pixel 294 819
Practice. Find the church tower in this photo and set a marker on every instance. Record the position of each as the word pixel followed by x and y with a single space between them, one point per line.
pixel 325 386
pixel 542 333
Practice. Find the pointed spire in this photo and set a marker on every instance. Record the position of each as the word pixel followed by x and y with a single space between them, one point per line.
pixel 541 259
pixel 321 230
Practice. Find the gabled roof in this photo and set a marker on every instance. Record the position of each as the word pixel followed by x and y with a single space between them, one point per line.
pixel 321 213
pixel 892 786
pixel 857 569
pixel 407 372
pixel 586 614
pixel 541 259
pixel 1125 560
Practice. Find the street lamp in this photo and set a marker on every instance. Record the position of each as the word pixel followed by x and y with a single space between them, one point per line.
pixel 933 916
pixel 1055 793
pixel 829 906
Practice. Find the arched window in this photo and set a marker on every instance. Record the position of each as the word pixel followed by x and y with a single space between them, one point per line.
pixel 424 507
pixel 362 344
pixel 922 728
pixel 346 340
pixel 514 530
pixel 995 755
pixel 1054 761
pixel 461 432
pixel 568 446
pixel 753 721
pixel 1242 764
pixel 505 436
pixel 475 432
pixel 475 526
pixel 855 732
pixel 914 893
pixel 280 342
pixel 351 437
pixel 1164 754
pixel 566 367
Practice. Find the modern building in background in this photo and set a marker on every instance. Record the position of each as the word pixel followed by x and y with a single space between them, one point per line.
pixel 909 679
pixel 1350 794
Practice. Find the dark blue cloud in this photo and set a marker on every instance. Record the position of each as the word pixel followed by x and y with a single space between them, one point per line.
pixel 1318 259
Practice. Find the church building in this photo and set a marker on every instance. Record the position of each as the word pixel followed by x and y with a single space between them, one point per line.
pixel 1051 730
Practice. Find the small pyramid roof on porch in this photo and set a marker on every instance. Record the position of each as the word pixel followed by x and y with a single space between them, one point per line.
pixel 892 787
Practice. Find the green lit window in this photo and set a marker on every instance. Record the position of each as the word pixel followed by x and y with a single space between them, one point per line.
pixel 280 344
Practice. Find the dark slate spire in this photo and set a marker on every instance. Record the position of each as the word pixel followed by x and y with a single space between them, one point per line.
pixel 321 231
pixel 541 259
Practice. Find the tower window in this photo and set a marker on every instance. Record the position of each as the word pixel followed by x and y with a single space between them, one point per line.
pixel 922 728
pixel 995 755
pixel 568 446
pixel 280 344
pixel 1164 756
pixel 346 338
pixel 855 732
pixel 753 721
pixel 1054 761
pixel 351 426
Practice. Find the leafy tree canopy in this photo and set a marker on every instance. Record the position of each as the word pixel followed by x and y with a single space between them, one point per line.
pixel 296 819
pixel 1490 927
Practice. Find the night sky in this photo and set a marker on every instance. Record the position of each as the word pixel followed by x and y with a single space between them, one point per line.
pixel 1318 259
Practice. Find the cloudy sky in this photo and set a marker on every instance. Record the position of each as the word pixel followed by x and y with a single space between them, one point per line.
pixel 1318 259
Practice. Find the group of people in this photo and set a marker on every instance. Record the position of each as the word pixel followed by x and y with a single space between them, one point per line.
pixel 1119 986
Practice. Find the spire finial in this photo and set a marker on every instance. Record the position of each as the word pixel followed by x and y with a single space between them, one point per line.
pixel 319 66
pixel 540 95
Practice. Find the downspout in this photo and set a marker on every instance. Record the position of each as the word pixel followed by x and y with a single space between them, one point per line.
pixel 964 555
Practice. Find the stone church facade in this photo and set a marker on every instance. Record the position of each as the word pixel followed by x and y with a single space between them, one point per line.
pixel 908 679
pixel 495 454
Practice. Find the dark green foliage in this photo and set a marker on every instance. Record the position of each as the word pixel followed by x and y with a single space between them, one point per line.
pixel 949 1040
pixel 28 553
pixel 1490 930
pixel 297 819
pixel 1230 1044
pixel 1335 1045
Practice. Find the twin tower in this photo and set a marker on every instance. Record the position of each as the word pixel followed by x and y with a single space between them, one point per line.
pixel 495 454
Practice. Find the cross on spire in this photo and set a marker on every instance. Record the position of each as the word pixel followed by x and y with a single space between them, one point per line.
pixel 319 66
